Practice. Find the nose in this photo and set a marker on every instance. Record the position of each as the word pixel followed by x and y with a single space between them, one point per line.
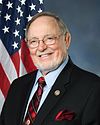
pixel 42 46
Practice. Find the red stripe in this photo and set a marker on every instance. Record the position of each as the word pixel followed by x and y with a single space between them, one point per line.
pixel 26 59
pixel 16 60
pixel 4 82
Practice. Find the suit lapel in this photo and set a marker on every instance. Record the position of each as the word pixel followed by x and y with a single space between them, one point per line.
pixel 53 96
pixel 28 84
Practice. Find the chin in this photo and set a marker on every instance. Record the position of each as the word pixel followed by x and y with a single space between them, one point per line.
pixel 50 67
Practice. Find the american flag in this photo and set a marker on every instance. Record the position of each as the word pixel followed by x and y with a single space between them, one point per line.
pixel 15 60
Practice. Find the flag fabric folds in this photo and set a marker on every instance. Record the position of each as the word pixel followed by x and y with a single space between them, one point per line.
pixel 15 60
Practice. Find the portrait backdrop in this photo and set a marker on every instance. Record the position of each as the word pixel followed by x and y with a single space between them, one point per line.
pixel 83 20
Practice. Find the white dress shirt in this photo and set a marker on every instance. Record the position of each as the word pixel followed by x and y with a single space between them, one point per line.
pixel 50 79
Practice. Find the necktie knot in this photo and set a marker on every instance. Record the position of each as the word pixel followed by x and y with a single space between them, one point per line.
pixel 41 81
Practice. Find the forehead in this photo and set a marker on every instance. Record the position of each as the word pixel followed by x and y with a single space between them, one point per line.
pixel 43 25
pixel 45 20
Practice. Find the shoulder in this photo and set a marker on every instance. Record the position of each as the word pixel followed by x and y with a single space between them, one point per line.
pixel 81 74
pixel 85 77
pixel 85 73
pixel 23 81
pixel 27 76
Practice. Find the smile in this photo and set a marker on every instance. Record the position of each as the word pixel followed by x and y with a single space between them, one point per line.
pixel 45 56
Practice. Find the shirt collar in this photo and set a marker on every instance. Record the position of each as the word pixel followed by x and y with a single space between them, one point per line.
pixel 51 77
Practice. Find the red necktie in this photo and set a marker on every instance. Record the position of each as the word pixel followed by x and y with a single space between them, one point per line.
pixel 34 103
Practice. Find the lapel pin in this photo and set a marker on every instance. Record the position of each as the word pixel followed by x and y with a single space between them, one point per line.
pixel 57 92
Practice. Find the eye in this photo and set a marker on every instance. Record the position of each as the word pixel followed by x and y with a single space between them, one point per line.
pixel 33 41
pixel 50 38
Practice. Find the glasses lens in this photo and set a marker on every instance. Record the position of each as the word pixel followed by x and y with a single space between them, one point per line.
pixel 50 39
pixel 33 43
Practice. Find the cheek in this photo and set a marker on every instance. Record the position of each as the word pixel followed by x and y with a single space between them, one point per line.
pixel 60 50
pixel 32 53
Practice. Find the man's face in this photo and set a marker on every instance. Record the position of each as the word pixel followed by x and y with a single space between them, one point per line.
pixel 48 57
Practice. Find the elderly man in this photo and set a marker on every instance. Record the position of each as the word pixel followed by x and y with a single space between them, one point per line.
pixel 58 92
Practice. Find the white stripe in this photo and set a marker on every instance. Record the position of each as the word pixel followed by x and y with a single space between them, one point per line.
pixel 2 99
pixel 7 63
pixel 22 67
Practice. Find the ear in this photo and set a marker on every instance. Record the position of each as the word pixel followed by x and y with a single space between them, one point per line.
pixel 67 39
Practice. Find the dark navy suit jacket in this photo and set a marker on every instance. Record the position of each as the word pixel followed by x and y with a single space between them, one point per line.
pixel 79 94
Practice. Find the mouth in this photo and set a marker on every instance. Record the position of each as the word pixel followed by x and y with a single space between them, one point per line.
pixel 45 56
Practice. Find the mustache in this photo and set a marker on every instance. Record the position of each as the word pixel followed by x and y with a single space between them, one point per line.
pixel 39 53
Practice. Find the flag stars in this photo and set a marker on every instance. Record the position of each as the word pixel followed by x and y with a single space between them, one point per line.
pixel 29 17
pixel 9 5
pixel 7 17
pixel 18 9
pixel 41 1
pixel 0 1
pixel 22 2
pixel 15 45
pixel 24 29
pixel 32 6
pixel 0 13
pixel 21 13
pixel 40 10
pixel 16 33
pixel 17 21
pixel 5 29
pixel 20 37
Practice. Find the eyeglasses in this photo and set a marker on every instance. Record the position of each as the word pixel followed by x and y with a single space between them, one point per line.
pixel 48 40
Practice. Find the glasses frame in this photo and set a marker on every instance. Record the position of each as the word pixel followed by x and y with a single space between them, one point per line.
pixel 48 39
